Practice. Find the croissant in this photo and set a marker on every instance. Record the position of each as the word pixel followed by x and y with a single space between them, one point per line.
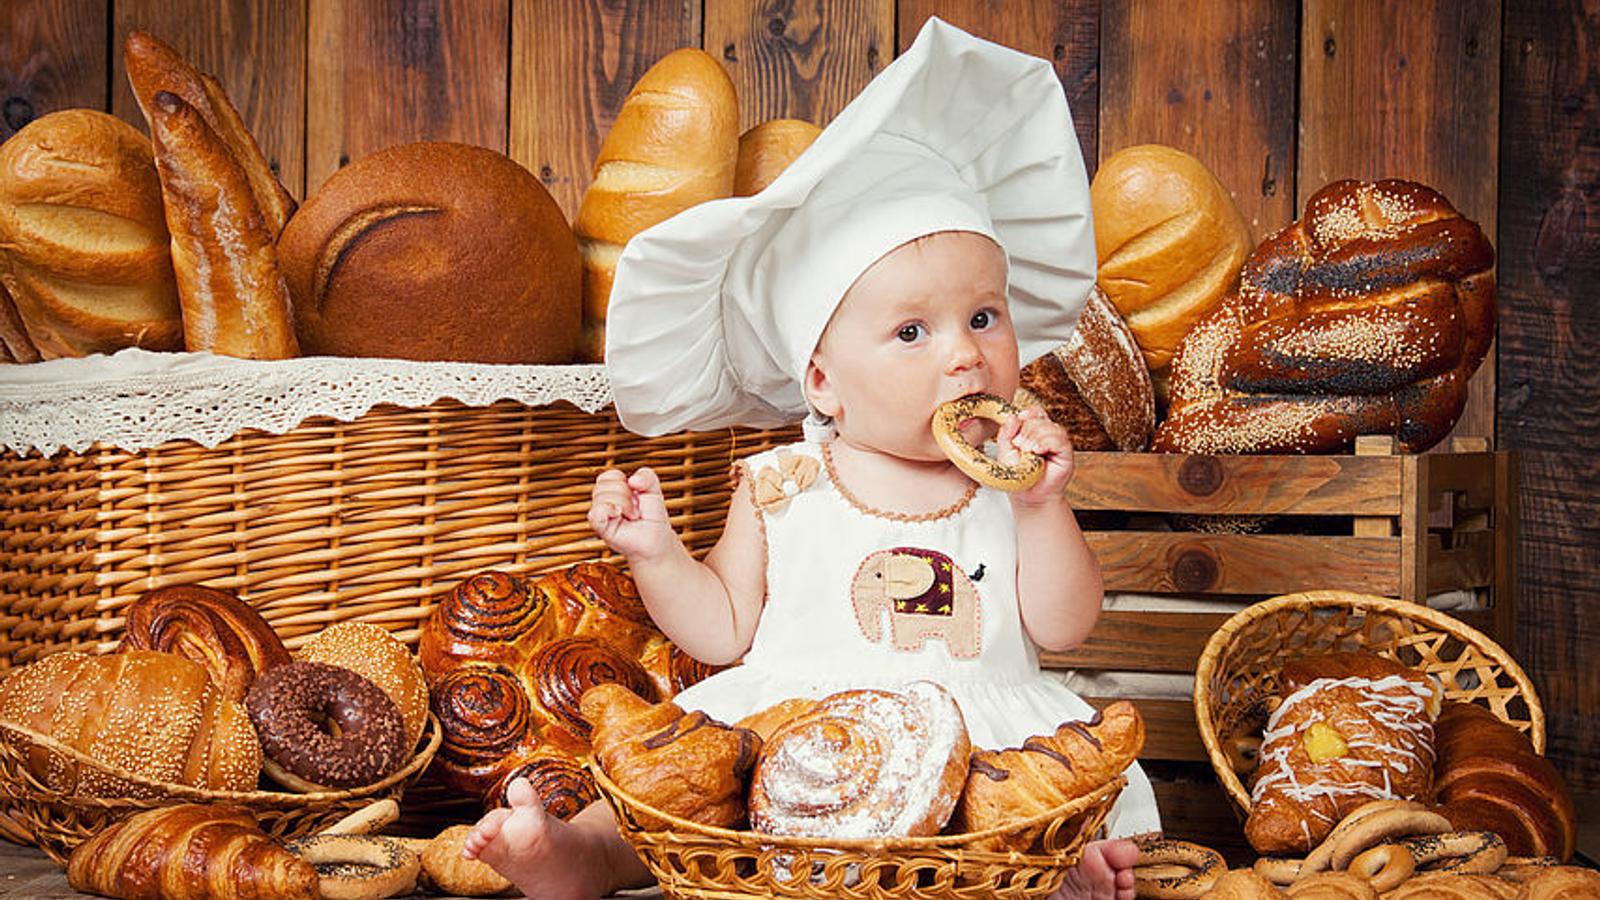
pixel 1489 778
pixel 1046 771
pixel 683 764
pixel 1350 728
pixel 189 852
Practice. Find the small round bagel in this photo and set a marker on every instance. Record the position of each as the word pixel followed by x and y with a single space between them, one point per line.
pixel 1279 870
pixel 977 465
pixel 1176 870
pixel 1384 866
pixel 359 867
pixel 1461 852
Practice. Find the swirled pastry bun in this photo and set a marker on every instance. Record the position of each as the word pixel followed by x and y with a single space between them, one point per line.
pixel 864 763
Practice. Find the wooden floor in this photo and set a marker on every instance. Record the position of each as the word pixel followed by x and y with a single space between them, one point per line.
pixel 26 872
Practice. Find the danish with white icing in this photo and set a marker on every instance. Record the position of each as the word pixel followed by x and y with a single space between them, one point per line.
pixel 863 764
pixel 1351 728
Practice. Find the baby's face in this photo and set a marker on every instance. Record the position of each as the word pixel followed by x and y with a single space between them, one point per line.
pixel 925 324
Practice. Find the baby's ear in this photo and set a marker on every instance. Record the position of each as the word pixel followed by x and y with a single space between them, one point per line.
pixel 819 390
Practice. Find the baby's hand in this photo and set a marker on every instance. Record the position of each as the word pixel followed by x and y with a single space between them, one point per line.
pixel 1034 432
pixel 629 513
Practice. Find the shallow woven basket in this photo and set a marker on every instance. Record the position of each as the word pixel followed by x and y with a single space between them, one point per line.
pixel 57 823
pixel 1237 673
pixel 693 860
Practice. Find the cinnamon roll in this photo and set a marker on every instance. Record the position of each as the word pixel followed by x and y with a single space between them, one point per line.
pixel 484 618
pixel 211 627
pixel 484 714
pixel 864 763
pixel 598 600
pixel 562 670
pixel 671 669
pixel 561 783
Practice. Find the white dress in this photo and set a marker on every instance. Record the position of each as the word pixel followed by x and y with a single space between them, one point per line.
pixel 865 598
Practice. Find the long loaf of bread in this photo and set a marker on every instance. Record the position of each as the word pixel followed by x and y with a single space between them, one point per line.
pixel 189 852
pixel 675 143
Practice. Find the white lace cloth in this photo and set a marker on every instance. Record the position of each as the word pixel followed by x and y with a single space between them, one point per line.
pixel 136 399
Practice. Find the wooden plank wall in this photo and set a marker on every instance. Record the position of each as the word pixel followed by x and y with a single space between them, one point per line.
pixel 1278 97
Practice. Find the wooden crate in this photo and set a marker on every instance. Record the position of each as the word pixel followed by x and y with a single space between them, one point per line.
pixel 1406 526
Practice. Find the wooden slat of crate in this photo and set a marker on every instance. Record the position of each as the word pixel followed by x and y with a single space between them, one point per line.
pixel 1407 90
pixel 803 60
pixel 1141 641
pixel 256 49
pixel 1191 563
pixel 386 72
pixel 52 57
pixel 1223 485
pixel 572 64
pixel 1214 79
pixel 1066 32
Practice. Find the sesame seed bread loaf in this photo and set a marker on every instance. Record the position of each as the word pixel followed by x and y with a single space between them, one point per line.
pixel 84 256
pixel 150 714
pixel 1367 316
pixel 674 144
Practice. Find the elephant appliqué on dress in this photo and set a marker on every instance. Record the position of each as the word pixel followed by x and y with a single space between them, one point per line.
pixel 926 596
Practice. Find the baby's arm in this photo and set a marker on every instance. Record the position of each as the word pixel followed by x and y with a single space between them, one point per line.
pixel 1058 578
pixel 708 609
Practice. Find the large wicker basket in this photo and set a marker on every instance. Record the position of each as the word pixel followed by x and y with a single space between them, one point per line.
pixel 1237 672
pixel 693 860
pixel 332 521
pixel 57 822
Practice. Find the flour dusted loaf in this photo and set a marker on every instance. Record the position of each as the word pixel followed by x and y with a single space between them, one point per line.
pixel 84 259
pixel 1350 728
pixel 674 144
pixel 1367 316
pixel 864 763
pixel 1096 385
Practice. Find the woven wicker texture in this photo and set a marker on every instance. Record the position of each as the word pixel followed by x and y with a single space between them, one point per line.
pixel 1237 672
pixel 332 521
pixel 693 860
pixel 56 822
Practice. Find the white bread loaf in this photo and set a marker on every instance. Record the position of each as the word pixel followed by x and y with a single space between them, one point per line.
pixel 767 149
pixel 83 243
pixel 675 143
pixel 1170 243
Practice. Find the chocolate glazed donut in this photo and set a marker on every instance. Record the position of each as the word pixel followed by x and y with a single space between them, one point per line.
pixel 288 702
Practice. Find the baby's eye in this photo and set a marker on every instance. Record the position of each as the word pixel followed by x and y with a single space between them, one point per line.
pixel 982 319
pixel 909 333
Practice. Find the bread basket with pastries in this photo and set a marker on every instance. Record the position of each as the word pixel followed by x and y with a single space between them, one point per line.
pixel 863 793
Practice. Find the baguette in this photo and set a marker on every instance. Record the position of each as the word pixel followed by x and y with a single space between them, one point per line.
pixel 154 67
pixel 235 301
pixel 84 252
pixel 675 143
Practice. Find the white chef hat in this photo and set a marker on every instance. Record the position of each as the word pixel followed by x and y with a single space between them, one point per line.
pixel 715 312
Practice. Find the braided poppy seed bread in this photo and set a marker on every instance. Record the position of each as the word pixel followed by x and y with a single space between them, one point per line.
pixel 1367 316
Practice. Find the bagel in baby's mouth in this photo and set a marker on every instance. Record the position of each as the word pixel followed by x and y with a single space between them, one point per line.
pixel 977 465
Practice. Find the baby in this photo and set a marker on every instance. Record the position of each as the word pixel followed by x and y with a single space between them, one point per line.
pixel 933 236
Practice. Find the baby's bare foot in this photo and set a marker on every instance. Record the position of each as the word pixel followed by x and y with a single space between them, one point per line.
pixel 546 858
pixel 1104 873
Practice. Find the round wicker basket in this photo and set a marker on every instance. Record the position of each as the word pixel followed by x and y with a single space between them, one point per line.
pixel 1237 672
pixel 57 821
pixel 693 860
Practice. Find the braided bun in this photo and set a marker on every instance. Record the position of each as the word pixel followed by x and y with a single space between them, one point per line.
pixel 1366 316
